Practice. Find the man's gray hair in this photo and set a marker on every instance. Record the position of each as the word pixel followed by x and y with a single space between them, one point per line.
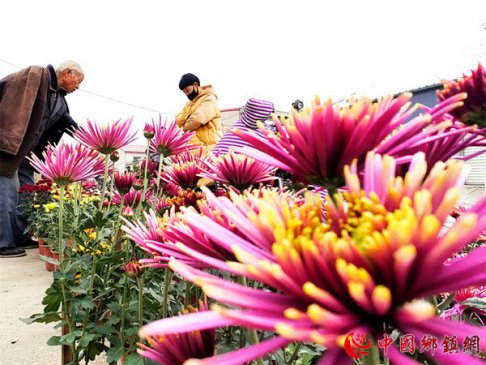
pixel 70 65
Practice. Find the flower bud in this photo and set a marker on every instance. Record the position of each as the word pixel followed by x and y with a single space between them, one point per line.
pixel 132 268
pixel 115 156
pixel 138 184
pixel 149 131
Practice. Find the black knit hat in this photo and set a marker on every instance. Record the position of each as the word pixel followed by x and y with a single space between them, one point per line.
pixel 188 79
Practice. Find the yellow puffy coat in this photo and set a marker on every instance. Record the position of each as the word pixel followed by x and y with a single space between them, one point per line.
pixel 202 116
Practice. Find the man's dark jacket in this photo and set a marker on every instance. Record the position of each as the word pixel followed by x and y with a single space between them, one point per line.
pixel 33 113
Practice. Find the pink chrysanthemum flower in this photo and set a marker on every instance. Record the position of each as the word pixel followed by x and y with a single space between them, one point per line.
pixel 184 176
pixel 179 236
pixel 148 235
pixel 124 181
pixel 459 211
pixel 106 138
pixel 162 205
pixel 316 144
pixel 179 349
pixel 127 212
pixel 238 214
pixel 65 164
pixel 474 109
pixel 172 189
pixel 195 155
pixel 237 170
pixel 463 302
pixel 169 139
pixel 151 167
pixel 183 169
pixel 132 198
pixel 368 272
pixel 380 183
pixel 440 141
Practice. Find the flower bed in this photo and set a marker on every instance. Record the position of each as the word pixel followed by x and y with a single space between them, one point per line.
pixel 348 268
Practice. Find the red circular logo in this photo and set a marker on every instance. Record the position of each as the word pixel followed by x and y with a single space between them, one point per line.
pixel 357 346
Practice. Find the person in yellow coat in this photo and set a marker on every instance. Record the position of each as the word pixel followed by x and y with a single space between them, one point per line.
pixel 201 113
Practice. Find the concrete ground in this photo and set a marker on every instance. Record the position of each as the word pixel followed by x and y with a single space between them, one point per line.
pixel 23 282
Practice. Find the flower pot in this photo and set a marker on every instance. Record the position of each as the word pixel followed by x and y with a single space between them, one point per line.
pixel 55 256
pixel 41 243
pixel 44 250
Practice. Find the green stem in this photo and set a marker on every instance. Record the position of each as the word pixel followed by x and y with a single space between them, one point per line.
pixel 167 282
pixel 128 254
pixel 198 294
pixel 161 156
pixel 60 225
pixel 105 177
pixel 252 332
pixel 187 295
pixel 112 185
pixel 118 224
pixel 62 279
pixel 373 357
pixel 122 314
pixel 445 304
pixel 145 173
pixel 90 293
pixel 294 354
pixel 140 300
pixel 77 197
pixel 433 300
pixel 140 303
pixel 242 338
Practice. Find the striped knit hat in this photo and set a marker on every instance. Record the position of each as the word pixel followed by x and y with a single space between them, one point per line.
pixel 254 111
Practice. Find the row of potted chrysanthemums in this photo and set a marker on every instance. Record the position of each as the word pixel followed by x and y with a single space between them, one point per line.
pixel 199 258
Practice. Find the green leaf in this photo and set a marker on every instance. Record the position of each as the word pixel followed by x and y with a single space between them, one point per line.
pixel 114 306
pixel 131 331
pixel 114 354
pixel 479 303
pixel 42 318
pixel 69 338
pixel 54 341
pixel 52 300
pixel 114 340
pixel 133 359
pixel 49 259
pixel 86 339
pixel 112 320
pixel 445 304
pixel 86 303
pixel 104 329
pixel 78 290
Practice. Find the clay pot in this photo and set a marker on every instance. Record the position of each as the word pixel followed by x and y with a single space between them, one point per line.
pixel 44 250
pixel 55 256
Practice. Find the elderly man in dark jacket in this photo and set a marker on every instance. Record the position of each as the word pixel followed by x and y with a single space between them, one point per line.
pixel 33 113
